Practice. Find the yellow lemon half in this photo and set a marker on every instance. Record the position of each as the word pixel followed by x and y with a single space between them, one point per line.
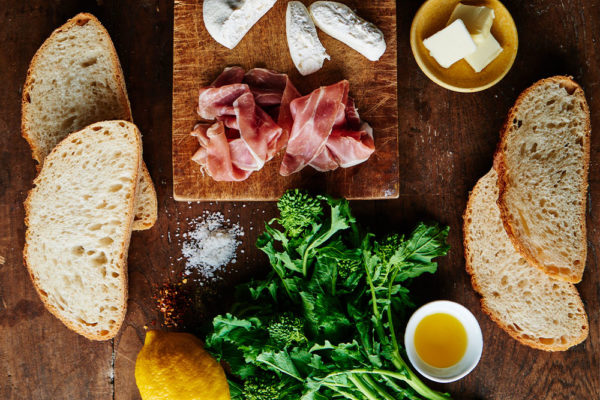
pixel 175 366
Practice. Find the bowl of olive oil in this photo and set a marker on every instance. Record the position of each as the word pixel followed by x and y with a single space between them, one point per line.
pixel 443 341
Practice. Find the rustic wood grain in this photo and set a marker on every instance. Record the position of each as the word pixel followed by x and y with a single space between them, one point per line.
pixel 198 59
pixel 446 144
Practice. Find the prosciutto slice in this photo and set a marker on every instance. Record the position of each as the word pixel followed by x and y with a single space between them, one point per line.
pixel 327 132
pixel 314 116
pixel 217 99
pixel 349 148
pixel 351 140
pixel 324 161
pixel 215 154
pixel 257 129
pixel 274 92
pixel 246 106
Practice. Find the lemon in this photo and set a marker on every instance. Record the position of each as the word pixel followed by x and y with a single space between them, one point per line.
pixel 175 366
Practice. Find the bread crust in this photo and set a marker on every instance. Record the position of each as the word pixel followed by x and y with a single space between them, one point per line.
pixel 500 165
pixel 119 79
pixel 123 253
pixel 147 223
pixel 487 310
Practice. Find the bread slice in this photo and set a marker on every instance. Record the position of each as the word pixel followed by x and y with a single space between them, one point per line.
pixel 79 217
pixel 529 305
pixel 542 163
pixel 74 80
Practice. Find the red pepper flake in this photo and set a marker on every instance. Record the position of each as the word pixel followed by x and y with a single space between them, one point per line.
pixel 172 302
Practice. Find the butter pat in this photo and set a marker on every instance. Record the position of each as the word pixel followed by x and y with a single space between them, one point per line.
pixel 478 20
pixel 450 44
pixel 486 52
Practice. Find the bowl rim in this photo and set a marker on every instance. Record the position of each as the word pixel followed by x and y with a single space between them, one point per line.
pixel 440 82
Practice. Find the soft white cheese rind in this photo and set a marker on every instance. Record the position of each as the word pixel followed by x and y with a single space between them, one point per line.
pixel 486 52
pixel 308 54
pixel 340 22
pixel 228 21
pixel 451 44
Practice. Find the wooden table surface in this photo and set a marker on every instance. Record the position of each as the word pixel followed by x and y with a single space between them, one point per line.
pixel 446 143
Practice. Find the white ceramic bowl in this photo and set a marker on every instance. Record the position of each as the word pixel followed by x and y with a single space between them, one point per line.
pixel 474 341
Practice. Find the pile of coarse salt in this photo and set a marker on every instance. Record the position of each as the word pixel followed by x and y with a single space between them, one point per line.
pixel 210 245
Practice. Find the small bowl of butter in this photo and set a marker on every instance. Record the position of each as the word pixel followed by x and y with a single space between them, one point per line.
pixel 465 46
pixel 443 341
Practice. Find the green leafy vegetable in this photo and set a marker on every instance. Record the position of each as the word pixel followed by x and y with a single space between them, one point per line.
pixel 324 323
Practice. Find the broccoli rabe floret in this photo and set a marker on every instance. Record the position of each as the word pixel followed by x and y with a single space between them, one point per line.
pixel 263 387
pixel 286 330
pixel 387 247
pixel 348 267
pixel 298 210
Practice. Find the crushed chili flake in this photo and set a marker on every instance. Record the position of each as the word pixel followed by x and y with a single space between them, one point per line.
pixel 172 302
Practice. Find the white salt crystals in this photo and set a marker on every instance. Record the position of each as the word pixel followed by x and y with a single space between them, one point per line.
pixel 210 245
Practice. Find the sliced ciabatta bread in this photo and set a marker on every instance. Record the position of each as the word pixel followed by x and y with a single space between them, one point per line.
pixel 528 304
pixel 79 217
pixel 74 80
pixel 542 163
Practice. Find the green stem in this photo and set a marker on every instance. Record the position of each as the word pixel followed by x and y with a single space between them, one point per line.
pixel 316 243
pixel 305 261
pixel 285 286
pixel 390 315
pixel 412 380
pixel 373 295
pixel 398 389
pixel 378 325
pixel 342 392
pixel 362 386
pixel 377 387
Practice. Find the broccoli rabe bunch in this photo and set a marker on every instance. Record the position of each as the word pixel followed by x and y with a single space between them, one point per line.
pixel 324 322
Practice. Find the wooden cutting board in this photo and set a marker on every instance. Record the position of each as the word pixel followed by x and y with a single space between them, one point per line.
pixel 198 60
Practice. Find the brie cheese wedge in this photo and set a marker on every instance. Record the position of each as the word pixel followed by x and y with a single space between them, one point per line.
pixel 228 21
pixel 305 47
pixel 340 22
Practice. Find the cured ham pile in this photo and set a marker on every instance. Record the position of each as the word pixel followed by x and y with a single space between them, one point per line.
pixel 257 113
pixel 245 135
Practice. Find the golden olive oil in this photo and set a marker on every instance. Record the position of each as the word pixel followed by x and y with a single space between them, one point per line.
pixel 440 340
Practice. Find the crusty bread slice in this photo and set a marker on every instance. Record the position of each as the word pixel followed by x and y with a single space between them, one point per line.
pixel 74 80
pixel 529 305
pixel 542 163
pixel 79 217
